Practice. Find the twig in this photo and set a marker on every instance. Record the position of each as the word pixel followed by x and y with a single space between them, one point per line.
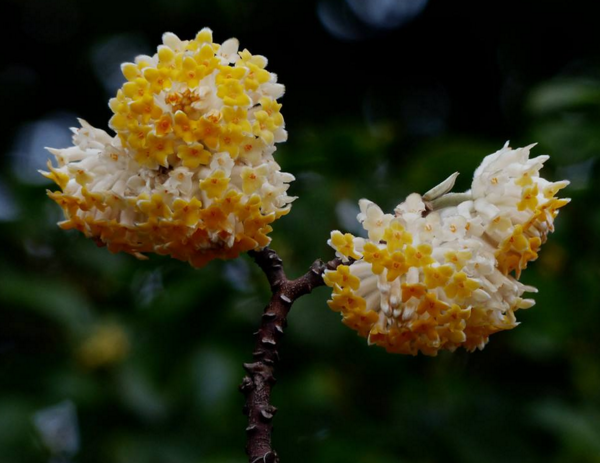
pixel 259 381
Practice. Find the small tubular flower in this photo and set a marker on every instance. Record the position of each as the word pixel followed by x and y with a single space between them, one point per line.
pixel 442 272
pixel 188 173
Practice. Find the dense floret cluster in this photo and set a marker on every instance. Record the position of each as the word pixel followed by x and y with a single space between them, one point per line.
pixel 191 171
pixel 442 271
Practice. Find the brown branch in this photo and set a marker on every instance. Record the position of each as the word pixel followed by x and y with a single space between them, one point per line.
pixel 259 381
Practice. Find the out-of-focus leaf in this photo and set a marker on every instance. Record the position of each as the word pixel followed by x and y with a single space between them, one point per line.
pixel 563 94
pixel 578 428
pixel 55 298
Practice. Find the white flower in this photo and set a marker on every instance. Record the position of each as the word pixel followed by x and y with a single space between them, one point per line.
pixel 373 219
pixel 428 228
pixel 412 208
pixel 229 51
pixel 454 228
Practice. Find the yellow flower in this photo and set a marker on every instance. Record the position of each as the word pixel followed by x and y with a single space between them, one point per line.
pixel 360 319
pixel 137 89
pixel 272 108
pixel 247 58
pixel 232 93
pixel 202 37
pixel 193 155
pixel 159 79
pixel 188 212
pixel 92 200
pixel 185 128
pixel 264 127
pixel 517 250
pixel 416 290
pixel 344 244
pixel 145 157
pixel 58 177
pixel 461 286
pixel 256 76
pixel 455 321
pixel 207 62
pixel 214 218
pixel 166 56
pixel 227 73
pixel 437 276
pixel 376 257
pixel 396 266
pixel 396 236
pixel 419 256
pixel 164 126
pixel 341 277
pixel 153 207
pixel 346 300
pixel 431 305
pixel 145 109
pixel 209 132
pixel 529 198
pixel 190 74
pixel 230 140
pixel 160 148
pixel 215 185
pixel 131 71
pixel 137 135
pixel 525 179
pixel 237 117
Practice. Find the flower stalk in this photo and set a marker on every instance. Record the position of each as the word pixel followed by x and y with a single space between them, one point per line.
pixel 260 380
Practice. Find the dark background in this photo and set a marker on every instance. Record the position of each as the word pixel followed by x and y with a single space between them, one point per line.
pixel 383 98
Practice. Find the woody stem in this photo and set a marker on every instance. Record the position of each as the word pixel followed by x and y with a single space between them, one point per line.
pixel 259 381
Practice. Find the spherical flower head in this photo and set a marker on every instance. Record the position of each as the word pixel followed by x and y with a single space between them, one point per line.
pixel 190 172
pixel 442 271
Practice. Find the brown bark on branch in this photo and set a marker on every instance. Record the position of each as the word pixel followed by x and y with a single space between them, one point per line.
pixel 259 381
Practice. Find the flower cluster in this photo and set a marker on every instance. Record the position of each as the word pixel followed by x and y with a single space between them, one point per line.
pixel 442 271
pixel 190 172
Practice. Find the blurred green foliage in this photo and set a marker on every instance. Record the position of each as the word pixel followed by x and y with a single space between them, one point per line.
pixel 150 352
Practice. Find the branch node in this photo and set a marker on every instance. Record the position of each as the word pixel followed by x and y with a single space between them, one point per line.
pixel 266 415
pixel 318 267
pixel 268 342
pixel 247 384
pixel 254 368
